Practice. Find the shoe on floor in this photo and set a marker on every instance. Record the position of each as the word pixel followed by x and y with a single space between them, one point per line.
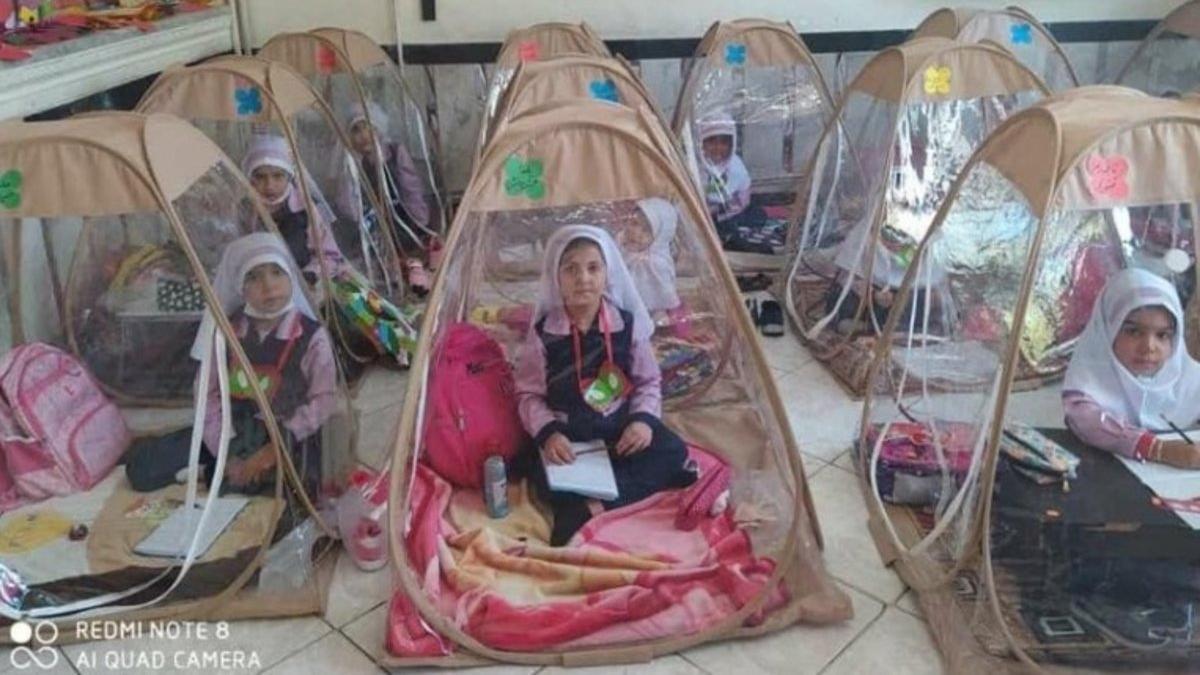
pixel 770 318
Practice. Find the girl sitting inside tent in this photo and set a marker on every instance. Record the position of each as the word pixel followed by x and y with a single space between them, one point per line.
pixel 1130 372
pixel 269 166
pixel 273 174
pixel 258 286
pixel 646 246
pixel 402 188
pixel 727 183
pixel 587 372
pixel 892 254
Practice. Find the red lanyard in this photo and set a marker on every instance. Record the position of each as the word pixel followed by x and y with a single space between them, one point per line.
pixel 579 347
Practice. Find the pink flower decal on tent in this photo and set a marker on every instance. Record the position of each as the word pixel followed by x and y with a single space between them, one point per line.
pixel 1106 176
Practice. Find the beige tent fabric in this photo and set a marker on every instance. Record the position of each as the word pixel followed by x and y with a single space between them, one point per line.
pixel 639 178
pixel 1184 20
pixel 210 90
pixel 945 22
pixel 1043 150
pixel 552 39
pixel 361 50
pixel 119 163
pixel 952 23
pixel 938 69
pixel 582 152
pixel 105 161
pixel 768 43
pixel 537 82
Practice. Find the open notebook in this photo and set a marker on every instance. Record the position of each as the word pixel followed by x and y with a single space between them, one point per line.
pixel 173 536
pixel 590 475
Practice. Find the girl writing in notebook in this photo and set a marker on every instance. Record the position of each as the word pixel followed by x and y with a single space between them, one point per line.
pixel 1131 373
pixel 587 372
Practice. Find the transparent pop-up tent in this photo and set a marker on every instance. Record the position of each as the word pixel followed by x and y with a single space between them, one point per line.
pixel 236 100
pixel 574 76
pixel 1167 62
pixel 1013 28
pixel 351 72
pixel 470 588
pixel 755 81
pixel 534 43
pixel 905 127
pixel 76 278
pixel 1010 561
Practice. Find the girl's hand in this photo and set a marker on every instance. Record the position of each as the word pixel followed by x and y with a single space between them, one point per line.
pixel 235 472
pixel 1179 454
pixel 261 463
pixel 557 450
pixel 634 439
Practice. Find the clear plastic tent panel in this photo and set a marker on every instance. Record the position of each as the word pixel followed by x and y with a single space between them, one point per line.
pixel 713 396
pixel 942 371
pixel 1062 590
pixel 1167 66
pixel 1032 47
pixel 906 175
pixel 779 114
pixel 403 128
pixel 338 192
pixel 132 311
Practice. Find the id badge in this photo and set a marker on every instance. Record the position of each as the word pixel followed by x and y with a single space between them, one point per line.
pixel 609 387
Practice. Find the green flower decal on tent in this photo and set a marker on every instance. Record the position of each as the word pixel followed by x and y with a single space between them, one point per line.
pixel 524 177
pixel 10 189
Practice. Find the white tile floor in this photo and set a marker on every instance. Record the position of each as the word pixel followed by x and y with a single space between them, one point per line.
pixel 885 635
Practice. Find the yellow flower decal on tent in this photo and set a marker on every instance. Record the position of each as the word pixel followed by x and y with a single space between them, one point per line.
pixel 937 80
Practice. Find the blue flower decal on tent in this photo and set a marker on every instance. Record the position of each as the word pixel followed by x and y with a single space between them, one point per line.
pixel 248 99
pixel 1020 34
pixel 735 54
pixel 604 90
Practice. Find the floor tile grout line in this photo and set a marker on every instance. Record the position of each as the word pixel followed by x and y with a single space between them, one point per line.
pixel 851 643
pixel 364 652
pixel 697 666
pixel 865 592
pixel 356 617
pixel 302 647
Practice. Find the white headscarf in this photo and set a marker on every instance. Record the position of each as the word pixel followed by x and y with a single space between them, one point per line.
pixel 240 256
pixel 653 270
pixel 378 118
pixel 273 150
pixel 620 290
pixel 732 170
pixel 1173 392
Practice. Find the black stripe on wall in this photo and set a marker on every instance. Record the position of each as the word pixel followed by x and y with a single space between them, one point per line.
pixel 823 42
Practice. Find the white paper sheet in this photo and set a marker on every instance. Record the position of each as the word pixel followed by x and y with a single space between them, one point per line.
pixel 591 474
pixel 1169 483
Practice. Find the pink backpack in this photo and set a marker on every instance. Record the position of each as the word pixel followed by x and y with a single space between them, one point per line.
pixel 59 434
pixel 472 407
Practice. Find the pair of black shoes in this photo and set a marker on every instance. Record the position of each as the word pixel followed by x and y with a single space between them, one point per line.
pixel 767 315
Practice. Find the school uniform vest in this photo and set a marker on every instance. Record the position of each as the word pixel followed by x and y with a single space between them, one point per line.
pixel 562 383
pixel 293 227
pixel 389 177
pixel 293 386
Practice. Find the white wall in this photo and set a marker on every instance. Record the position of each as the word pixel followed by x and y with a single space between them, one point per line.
pixel 489 20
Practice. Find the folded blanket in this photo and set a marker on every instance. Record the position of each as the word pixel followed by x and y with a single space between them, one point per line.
pixel 628 575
